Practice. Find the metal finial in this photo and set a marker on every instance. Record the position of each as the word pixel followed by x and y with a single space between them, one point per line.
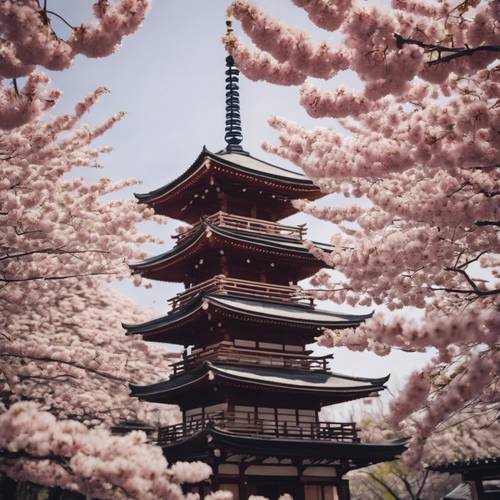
pixel 233 134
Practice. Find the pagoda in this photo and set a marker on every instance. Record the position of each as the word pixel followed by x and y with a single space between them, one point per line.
pixel 249 390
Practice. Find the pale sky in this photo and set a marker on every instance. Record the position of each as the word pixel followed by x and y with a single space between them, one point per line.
pixel 169 79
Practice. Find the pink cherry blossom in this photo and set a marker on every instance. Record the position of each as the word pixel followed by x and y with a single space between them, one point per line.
pixel 36 446
pixel 29 40
pixel 418 145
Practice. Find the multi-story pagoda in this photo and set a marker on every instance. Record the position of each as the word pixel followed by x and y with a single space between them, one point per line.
pixel 249 391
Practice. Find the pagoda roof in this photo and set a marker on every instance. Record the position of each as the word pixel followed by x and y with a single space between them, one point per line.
pixel 351 455
pixel 165 266
pixel 172 327
pixel 331 387
pixel 241 168
pixel 461 492
pixel 480 465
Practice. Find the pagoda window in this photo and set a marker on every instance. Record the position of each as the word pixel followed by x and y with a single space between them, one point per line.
pixel 294 348
pixel 194 414
pixel 245 343
pixel 266 413
pixel 320 492
pixel 210 410
pixel 287 415
pixel 271 346
pixel 245 413
pixel 307 416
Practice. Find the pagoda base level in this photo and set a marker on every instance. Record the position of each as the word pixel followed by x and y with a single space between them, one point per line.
pixel 262 480
pixel 270 466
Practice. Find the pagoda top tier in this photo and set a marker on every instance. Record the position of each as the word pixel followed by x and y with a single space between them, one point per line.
pixel 232 182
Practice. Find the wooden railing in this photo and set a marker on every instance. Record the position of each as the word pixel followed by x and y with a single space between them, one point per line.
pixel 249 425
pixel 223 285
pixel 226 352
pixel 249 225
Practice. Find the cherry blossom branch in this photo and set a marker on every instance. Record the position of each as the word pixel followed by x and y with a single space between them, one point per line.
pixel 61 18
pixel 472 283
pixel 48 278
pixel 456 52
pixel 406 484
pixel 59 460
pixel 470 261
pixel 51 251
pixel 482 223
pixel 383 484
pixel 68 363
pixel 422 484
pixel 14 455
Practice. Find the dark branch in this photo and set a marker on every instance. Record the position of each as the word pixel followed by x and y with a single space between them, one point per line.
pixel 422 484
pixel 36 278
pixel 52 13
pixel 474 288
pixel 407 484
pixel 50 251
pixel 470 261
pixel 487 223
pixel 454 52
pixel 68 363
pixel 14 83
pixel 383 484
pixel 15 455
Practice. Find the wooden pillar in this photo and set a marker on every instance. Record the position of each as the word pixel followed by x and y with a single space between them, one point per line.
pixel 221 196
pixel 224 268
pixel 477 489
pixel 343 490
pixel 242 490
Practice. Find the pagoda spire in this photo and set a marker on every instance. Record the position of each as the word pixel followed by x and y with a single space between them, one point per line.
pixel 233 134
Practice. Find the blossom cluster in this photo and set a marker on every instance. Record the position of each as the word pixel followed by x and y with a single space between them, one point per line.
pixel 419 145
pixel 29 40
pixel 37 447
pixel 62 343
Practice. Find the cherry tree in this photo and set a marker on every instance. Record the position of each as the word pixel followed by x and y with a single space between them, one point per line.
pixel 59 241
pixel 466 437
pixel 29 40
pixel 62 347
pixel 419 146
pixel 61 343
pixel 69 455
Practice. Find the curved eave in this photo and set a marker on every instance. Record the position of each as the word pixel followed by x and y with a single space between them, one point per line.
pixel 157 325
pixel 355 454
pixel 260 378
pixel 340 321
pixel 193 309
pixel 472 466
pixel 282 247
pixel 281 174
pixel 303 184
pixel 163 258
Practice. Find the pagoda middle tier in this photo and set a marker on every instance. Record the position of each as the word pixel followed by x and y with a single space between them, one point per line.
pixel 258 312
pixel 236 246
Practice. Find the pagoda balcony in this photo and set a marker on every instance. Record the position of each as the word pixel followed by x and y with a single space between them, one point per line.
pixel 222 285
pixel 226 352
pixel 344 432
pixel 248 225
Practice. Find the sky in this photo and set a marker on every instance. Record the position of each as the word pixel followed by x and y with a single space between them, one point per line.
pixel 169 79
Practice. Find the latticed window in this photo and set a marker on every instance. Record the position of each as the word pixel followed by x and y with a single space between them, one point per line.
pixel 320 492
